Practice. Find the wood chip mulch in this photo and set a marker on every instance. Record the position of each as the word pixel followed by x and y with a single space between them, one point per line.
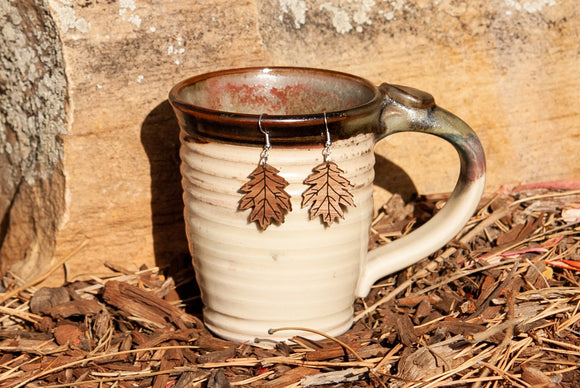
pixel 499 306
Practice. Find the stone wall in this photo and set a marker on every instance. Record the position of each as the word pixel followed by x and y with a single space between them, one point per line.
pixel 507 67
pixel 33 99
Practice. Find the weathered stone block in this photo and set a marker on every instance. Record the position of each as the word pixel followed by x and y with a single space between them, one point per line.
pixel 103 137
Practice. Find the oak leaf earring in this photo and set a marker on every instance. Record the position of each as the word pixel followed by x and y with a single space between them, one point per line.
pixel 329 191
pixel 264 193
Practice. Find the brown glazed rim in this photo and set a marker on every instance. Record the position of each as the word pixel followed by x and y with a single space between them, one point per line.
pixel 243 127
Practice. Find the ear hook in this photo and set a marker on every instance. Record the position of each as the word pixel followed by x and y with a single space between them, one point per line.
pixel 328 145
pixel 266 133
pixel 328 141
pixel 266 150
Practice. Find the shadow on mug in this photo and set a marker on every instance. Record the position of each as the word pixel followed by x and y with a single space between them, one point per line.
pixel 160 140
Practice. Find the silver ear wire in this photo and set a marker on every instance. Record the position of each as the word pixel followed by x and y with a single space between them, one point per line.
pixel 266 150
pixel 328 145
pixel 266 133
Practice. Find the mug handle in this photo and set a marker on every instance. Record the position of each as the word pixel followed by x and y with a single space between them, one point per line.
pixel 407 109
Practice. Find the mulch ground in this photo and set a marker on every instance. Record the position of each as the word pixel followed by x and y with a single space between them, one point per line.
pixel 496 307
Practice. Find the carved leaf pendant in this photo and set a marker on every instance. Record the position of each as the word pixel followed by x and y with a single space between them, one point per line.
pixel 265 195
pixel 328 193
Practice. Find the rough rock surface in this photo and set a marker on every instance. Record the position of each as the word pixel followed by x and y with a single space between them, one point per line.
pixel 33 119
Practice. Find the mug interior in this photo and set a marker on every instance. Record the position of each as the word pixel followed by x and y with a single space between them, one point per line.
pixel 276 91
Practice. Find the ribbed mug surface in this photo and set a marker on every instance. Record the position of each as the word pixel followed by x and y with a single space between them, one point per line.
pixel 299 273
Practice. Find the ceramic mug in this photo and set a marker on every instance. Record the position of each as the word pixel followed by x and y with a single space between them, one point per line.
pixel 301 273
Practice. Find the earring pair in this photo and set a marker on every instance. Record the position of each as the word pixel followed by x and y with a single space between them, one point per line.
pixel 328 192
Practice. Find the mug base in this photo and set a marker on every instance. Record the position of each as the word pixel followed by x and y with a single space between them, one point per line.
pixel 253 332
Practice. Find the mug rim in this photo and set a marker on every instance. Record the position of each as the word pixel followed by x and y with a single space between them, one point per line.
pixel 307 127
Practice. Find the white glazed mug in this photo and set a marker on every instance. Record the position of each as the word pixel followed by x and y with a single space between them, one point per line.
pixel 301 273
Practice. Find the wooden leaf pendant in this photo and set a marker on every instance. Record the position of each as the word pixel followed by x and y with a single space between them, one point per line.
pixel 265 195
pixel 328 193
